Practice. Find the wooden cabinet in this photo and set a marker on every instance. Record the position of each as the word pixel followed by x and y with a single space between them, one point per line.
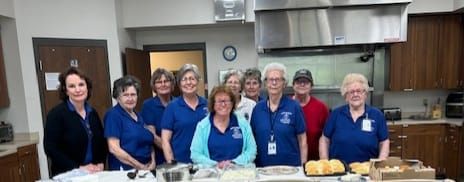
pixel 9 168
pixel 429 58
pixel 28 163
pixel 452 160
pixel 4 99
pixel 22 166
pixel 436 145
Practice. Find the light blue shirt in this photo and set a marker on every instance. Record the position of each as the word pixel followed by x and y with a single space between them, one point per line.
pixel 200 150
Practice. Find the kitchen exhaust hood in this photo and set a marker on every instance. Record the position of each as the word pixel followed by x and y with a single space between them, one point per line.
pixel 283 24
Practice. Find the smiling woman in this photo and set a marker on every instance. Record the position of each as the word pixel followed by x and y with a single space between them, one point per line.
pixel 73 136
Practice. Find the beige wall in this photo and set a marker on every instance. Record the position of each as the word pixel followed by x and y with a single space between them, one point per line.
pixel 172 61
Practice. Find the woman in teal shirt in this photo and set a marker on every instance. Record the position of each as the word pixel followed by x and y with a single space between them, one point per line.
pixel 222 138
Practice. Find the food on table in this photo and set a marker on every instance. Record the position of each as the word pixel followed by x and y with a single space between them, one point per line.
pixel 324 167
pixel 278 170
pixel 360 167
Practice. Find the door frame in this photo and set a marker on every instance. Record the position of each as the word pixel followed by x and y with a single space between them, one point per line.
pixel 182 47
pixel 37 42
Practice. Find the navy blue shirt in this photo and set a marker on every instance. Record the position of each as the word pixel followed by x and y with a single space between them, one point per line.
pixel 133 137
pixel 182 121
pixel 227 145
pixel 350 141
pixel 288 121
pixel 86 124
pixel 152 113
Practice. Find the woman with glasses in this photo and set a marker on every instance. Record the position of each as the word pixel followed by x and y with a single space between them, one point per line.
pixel 315 111
pixel 182 115
pixel 73 135
pixel 129 139
pixel 234 80
pixel 162 83
pixel 252 84
pixel 278 123
pixel 222 138
pixel 355 132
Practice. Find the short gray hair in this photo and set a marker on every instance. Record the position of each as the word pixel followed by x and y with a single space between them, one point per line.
pixel 186 68
pixel 353 78
pixel 120 85
pixel 275 66
pixel 232 72
pixel 252 73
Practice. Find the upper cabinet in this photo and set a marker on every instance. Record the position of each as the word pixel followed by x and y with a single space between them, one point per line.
pixel 430 57
pixel 4 99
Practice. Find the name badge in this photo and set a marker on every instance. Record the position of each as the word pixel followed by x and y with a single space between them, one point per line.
pixel 366 125
pixel 271 148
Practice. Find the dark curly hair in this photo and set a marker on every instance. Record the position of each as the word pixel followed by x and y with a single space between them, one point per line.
pixel 62 80
pixel 120 85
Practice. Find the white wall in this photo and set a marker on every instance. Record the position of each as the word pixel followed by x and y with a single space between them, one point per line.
pixel 6 8
pixel 430 6
pixel 156 13
pixel 84 19
pixel 458 4
pixel 240 36
pixel 126 37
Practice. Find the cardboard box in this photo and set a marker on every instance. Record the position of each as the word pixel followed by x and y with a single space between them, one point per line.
pixel 389 169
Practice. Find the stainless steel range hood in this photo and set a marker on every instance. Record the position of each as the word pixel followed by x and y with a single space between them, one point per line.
pixel 282 24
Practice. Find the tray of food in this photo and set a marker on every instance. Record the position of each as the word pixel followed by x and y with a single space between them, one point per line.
pixel 324 167
pixel 278 170
pixel 361 168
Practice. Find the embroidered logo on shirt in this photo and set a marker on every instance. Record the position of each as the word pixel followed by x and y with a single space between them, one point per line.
pixel 285 117
pixel 236 132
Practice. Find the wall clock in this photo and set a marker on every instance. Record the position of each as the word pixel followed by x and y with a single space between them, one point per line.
pixel 229 53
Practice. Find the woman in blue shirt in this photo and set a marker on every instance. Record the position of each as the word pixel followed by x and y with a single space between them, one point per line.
pixel 162 82
pixel 355 132
pixel 223 138
pixel 130 142
pixel 182 115
pixel 278 123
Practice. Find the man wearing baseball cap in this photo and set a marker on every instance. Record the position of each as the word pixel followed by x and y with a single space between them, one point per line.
pixel 315 112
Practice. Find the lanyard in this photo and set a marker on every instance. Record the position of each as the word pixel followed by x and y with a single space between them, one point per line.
pixel 272 117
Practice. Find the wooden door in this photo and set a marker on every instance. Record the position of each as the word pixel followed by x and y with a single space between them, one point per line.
pixel 4 99
pixel 57 56
pixel 9 168
pixel 424 142
pixel 450 43
pixel 424 39
pixel 138 64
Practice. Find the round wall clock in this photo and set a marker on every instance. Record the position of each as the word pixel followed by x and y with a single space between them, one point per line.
pixel 229 53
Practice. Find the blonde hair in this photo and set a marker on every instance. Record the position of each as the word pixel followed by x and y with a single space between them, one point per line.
pixel 353 78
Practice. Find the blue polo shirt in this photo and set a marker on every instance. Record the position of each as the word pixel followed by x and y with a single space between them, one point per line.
pixel 349 142
pixel 152 113
pixel 182 121
pixel 227 145
pixel 133 137
pixel 288 124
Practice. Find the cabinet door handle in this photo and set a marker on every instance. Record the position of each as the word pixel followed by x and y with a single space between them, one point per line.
pixel 408 89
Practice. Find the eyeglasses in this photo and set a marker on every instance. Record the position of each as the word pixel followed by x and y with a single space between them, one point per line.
pixel 191 79
pixel 252 82
pixel 274 80
pixel 358 92
pixel 223 102
pixel 129 95
pixel 159 82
